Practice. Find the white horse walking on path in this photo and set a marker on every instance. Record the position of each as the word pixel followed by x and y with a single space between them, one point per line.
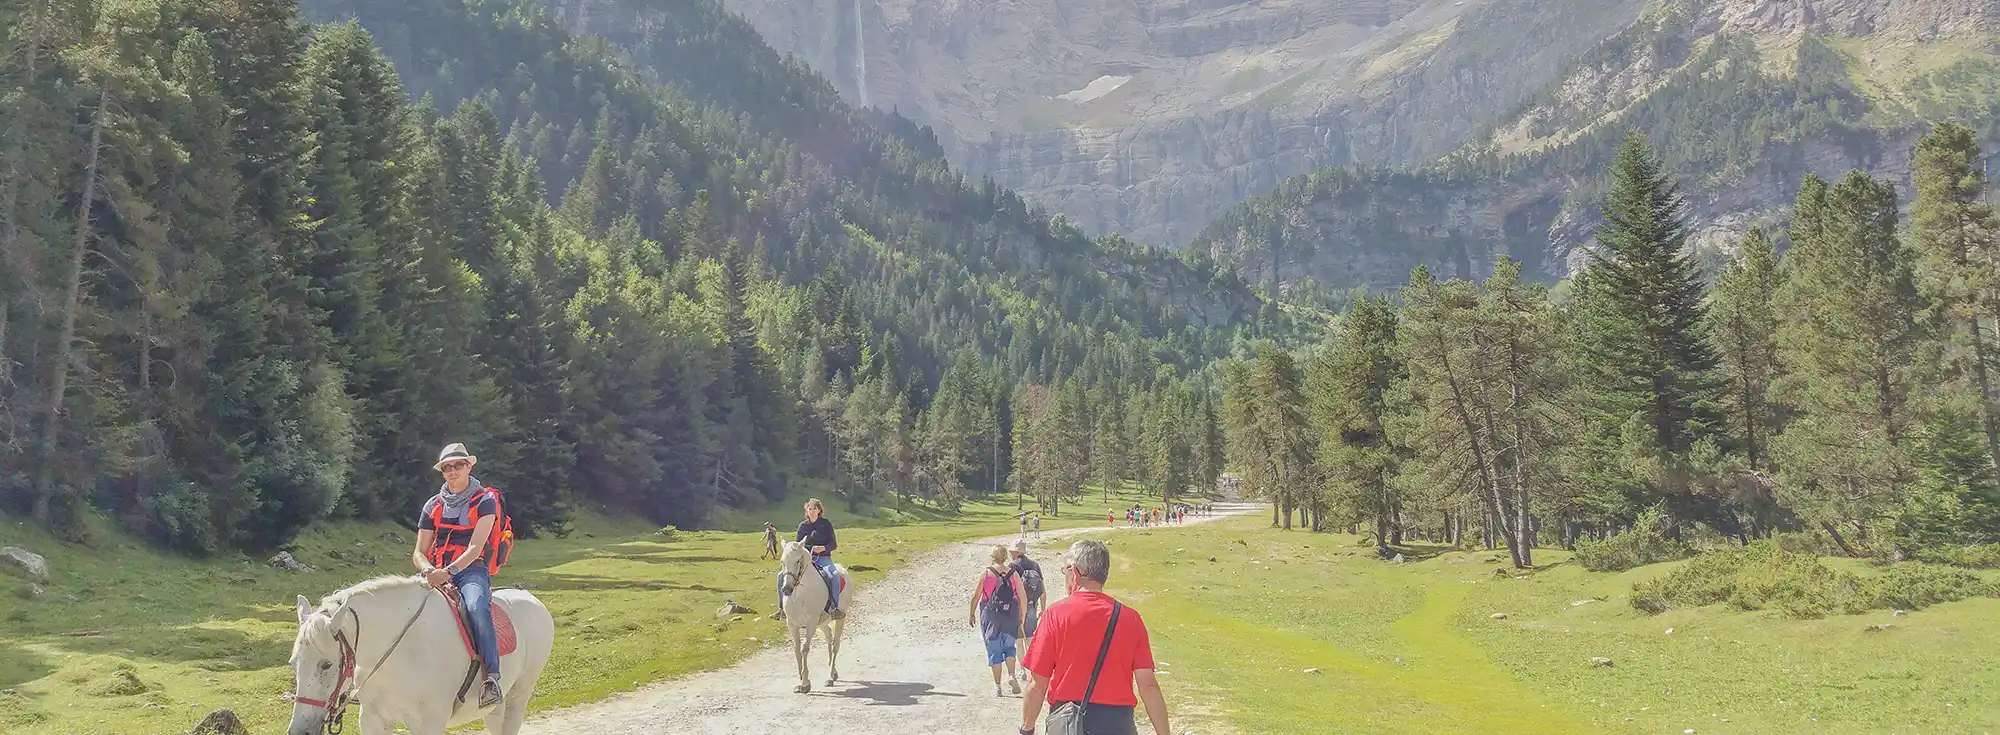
pixel 805 610
pixel 390 644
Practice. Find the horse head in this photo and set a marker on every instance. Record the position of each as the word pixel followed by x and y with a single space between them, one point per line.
pixel 795 563
pixel 322 670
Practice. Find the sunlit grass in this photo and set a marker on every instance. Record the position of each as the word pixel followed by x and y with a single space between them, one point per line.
pixel 1414 647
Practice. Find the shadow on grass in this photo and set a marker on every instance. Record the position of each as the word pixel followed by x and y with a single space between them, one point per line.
pixel 1420 552
pixel 889 693
pixel 205 648
pixel 663 557
pixel 577 582
pixel 19 665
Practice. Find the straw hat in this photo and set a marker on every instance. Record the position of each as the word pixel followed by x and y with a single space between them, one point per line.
pixel 451 452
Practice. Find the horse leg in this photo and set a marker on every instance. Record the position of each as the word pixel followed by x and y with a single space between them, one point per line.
pixel 833 652
pixel 508 718
pixel 375 724
pixel 802 646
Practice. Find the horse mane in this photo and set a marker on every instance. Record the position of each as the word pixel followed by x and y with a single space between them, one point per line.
pixel 335 601
pixel 313 629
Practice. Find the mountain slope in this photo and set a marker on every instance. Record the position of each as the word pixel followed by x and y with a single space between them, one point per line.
pixel 1741 98
pixel 1151 118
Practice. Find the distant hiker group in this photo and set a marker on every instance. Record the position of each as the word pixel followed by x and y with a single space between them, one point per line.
pixel 1154 516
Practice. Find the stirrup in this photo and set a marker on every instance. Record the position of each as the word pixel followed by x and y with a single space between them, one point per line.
pixel 489 693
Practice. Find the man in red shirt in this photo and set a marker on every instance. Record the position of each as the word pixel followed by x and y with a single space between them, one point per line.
pixel 1069 646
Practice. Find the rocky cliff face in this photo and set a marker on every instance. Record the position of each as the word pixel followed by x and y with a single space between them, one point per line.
pixel 1150 118
pixel 1742 98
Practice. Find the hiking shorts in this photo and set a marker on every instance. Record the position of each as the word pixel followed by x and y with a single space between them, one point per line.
pixel 999 648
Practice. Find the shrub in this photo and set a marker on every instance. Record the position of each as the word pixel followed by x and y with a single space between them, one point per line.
pixel 1913 586
pixel 1646 543
pixel 1970 557
pixel 1765 576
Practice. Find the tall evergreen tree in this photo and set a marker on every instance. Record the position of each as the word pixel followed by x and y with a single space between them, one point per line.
pixel 1857 354
pixel 1641 332
pixel 1744 326
pixel 1958 240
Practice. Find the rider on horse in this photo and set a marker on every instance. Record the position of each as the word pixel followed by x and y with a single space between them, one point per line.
pixel 816 534
pixel 452 535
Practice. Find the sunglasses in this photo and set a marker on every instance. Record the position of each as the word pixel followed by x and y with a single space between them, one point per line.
pixel 455 466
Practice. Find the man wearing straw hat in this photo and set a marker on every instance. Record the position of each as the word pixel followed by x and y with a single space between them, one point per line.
pixel 451 537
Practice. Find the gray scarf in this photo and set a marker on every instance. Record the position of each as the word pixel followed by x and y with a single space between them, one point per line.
pixel 456 503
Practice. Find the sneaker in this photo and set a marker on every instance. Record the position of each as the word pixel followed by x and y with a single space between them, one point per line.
pixel 779 615
pixel 996 690
pixel 1014 685
pixel 489 695
pixel 836 613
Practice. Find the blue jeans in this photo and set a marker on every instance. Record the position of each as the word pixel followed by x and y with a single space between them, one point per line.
pixel 832 591
pixel 475 591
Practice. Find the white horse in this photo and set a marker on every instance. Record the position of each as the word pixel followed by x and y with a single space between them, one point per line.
pixel 390 644
pixel 805 610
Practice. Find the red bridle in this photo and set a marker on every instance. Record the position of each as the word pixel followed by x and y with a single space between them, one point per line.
pixel 335 703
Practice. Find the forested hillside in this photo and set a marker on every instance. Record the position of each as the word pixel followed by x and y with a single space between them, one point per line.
pixel 249 285
pixel 1742 98
pixel 1839 399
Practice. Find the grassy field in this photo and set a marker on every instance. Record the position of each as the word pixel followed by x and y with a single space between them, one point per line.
pixel 1414 647
pixel 166 639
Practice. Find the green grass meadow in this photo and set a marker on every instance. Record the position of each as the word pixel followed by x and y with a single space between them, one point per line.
pixel 1414 647
pixel 168 639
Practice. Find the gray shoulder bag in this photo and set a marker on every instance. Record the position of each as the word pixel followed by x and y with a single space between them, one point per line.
pixel 1067 718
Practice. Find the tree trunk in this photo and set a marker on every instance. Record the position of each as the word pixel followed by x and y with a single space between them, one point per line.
pixel 1838 539
pixel 59 380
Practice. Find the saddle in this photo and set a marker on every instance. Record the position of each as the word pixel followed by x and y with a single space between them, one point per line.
pixel 503 637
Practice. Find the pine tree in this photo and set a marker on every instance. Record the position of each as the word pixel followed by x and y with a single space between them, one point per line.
pixel 1347 392
pixel 1641 336
pixel 1958 240
pixel 1856 352
pixel 1744 327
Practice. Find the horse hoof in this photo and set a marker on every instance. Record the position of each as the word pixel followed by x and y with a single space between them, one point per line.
pixel 802 688
pixel 829 682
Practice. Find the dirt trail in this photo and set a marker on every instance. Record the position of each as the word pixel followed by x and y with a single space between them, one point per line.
pixel 909 666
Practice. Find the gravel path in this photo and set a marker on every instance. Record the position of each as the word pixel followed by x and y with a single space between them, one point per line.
pixel 911 668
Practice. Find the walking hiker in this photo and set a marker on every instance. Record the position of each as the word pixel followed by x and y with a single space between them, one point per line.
pixel 1037 526
pixel 770 541
pixel 453 532
pixel 998 613
pixel 1030 574
pixel 1092 653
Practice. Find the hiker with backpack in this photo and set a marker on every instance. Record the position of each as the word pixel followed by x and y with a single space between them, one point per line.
pixel 455 533
pixel 998 612
pixel 1030 574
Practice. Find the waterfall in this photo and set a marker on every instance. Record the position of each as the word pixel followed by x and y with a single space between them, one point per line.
pixel 860 57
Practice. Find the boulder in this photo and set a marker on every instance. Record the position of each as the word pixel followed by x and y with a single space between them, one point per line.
pixel 729 607
pixel 1499 616
pixel 1599 661
pixel 285 561
pixel 26 562
pixel 220 722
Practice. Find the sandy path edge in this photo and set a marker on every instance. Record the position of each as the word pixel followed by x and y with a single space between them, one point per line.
pixel 912 668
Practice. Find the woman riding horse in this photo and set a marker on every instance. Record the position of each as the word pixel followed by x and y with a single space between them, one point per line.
pixel 816 534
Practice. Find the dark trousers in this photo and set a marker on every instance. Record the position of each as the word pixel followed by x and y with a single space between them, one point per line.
pixel 1098 719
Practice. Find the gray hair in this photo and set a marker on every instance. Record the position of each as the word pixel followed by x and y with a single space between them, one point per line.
pixel 1091 559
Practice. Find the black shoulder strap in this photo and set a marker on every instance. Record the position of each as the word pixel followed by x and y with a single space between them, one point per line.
pixel 1116 607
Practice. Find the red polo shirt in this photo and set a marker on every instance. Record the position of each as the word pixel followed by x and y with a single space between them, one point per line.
pixel 1065 649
